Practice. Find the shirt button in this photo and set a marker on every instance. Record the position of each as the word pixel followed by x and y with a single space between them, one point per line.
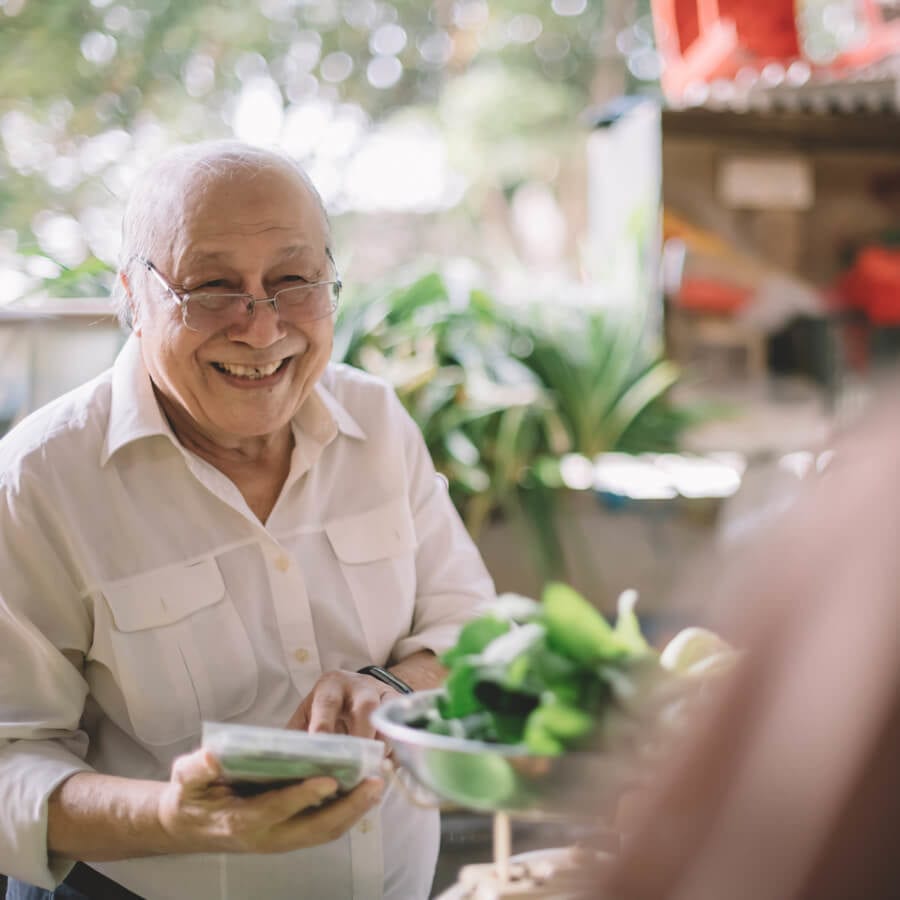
pixel 282 563
pixel 365 826
pixel 301 655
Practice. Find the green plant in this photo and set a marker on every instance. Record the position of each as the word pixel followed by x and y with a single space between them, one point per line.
pixel 90 278
pixel 501 395
pixel 601 377
pixel 484 414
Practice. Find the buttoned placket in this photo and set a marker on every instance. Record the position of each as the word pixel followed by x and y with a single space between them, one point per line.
pixel 292 607
pixel 296 632
pixel 289 595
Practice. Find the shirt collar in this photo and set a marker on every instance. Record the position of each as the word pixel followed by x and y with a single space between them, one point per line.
pixel 135 414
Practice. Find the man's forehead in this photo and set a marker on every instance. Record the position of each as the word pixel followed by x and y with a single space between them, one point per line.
pixel 213 216
pixel 231 190
pixel 197 256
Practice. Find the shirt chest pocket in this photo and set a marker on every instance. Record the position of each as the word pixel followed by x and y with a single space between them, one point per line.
pixel 180 651
pixel 376 553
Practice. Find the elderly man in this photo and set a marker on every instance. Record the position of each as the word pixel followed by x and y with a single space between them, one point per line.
pixel 222 527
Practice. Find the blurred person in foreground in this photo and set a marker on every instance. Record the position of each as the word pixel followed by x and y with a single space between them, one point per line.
pixel 790 788
pixel 224 526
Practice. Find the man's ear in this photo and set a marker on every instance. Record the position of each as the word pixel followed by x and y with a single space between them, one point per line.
pixel 132 303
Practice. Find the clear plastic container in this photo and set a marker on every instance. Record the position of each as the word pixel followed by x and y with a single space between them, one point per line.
pixel 257 755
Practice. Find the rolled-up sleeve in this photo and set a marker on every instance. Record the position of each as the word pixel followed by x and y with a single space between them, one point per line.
pixel 452 582
pixel 42 691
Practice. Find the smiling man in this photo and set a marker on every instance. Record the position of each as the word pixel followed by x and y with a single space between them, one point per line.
pixel 222 527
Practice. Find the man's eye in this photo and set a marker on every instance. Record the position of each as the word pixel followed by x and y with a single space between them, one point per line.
pixel 215 286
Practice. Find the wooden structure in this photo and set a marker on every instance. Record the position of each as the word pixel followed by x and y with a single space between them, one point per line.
pixel 844 132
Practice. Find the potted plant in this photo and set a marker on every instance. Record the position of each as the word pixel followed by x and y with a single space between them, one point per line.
pixel 503 394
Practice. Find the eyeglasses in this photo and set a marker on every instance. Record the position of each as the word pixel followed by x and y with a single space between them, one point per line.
pixel 213 310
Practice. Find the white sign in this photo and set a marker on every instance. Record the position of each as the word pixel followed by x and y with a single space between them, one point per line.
pixel 766 182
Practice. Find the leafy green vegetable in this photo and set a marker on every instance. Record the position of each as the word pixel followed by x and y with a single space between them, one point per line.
pixel 475 636
pixel 575 629
pixel 542 675
pixel 459 689
pixel 564 722
pixel 628 628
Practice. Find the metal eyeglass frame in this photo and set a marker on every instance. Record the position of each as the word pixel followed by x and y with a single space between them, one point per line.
pixel 181 299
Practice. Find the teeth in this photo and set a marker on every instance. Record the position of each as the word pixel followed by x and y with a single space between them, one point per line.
pixel 251 372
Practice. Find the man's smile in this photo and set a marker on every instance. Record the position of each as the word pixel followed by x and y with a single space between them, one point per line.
pixel 251 373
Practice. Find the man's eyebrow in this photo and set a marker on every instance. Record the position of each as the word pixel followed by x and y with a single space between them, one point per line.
pixel 294 250
pixel 199 257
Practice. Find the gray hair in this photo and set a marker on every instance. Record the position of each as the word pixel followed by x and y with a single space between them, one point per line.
pixel 152 206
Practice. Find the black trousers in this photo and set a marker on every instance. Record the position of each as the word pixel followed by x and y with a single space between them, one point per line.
pixel 83 883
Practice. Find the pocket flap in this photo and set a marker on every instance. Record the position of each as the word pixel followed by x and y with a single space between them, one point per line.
pixel 164 596
pixel 379 533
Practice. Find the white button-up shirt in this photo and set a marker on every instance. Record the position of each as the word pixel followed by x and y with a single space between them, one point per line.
pixel 139 596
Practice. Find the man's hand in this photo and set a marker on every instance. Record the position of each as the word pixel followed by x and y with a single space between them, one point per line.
pixel 201 814
pixel 341 703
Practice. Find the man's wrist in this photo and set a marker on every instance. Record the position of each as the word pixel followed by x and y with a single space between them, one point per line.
pixel 386 677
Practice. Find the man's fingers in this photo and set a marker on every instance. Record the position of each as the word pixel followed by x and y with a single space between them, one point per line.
pixel 326 708
pixel 340 703
pixel 196 770
pixel 300 719
pixel 332 820
pixel 281 804
pixel 360 713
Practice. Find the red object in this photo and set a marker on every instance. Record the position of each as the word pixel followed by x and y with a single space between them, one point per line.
pixel 872 285
pixel 705 40
pixel 702 40
pixel 711 296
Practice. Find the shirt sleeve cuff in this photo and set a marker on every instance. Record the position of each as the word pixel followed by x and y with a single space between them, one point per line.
pixel 29 773
pixel 437 639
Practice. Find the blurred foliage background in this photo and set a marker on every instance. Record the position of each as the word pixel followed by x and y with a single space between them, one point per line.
pixel 515 402
pixel 429 127
pixel 448 140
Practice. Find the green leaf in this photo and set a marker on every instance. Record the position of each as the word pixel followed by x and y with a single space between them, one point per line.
pixel 563 722
pixel 628 627
pixel 647 388
pixel 539 740
pixel 474 637
pixel 459 693
pixel 568 692
pixel 508 729
pixel 575 629
pixel 423 292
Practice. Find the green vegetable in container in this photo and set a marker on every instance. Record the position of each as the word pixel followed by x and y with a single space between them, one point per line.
pixel 542 675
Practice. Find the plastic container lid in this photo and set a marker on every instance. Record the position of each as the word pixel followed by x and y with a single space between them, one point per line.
pixel 255 753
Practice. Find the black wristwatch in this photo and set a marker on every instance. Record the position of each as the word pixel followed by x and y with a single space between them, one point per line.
pixel 389 678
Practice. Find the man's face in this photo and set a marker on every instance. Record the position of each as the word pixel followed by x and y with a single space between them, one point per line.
pixel 248 232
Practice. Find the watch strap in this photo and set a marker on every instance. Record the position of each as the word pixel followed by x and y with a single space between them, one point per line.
pixel 389 678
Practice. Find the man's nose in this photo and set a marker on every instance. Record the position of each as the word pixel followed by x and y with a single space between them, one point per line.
pixel 262 327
